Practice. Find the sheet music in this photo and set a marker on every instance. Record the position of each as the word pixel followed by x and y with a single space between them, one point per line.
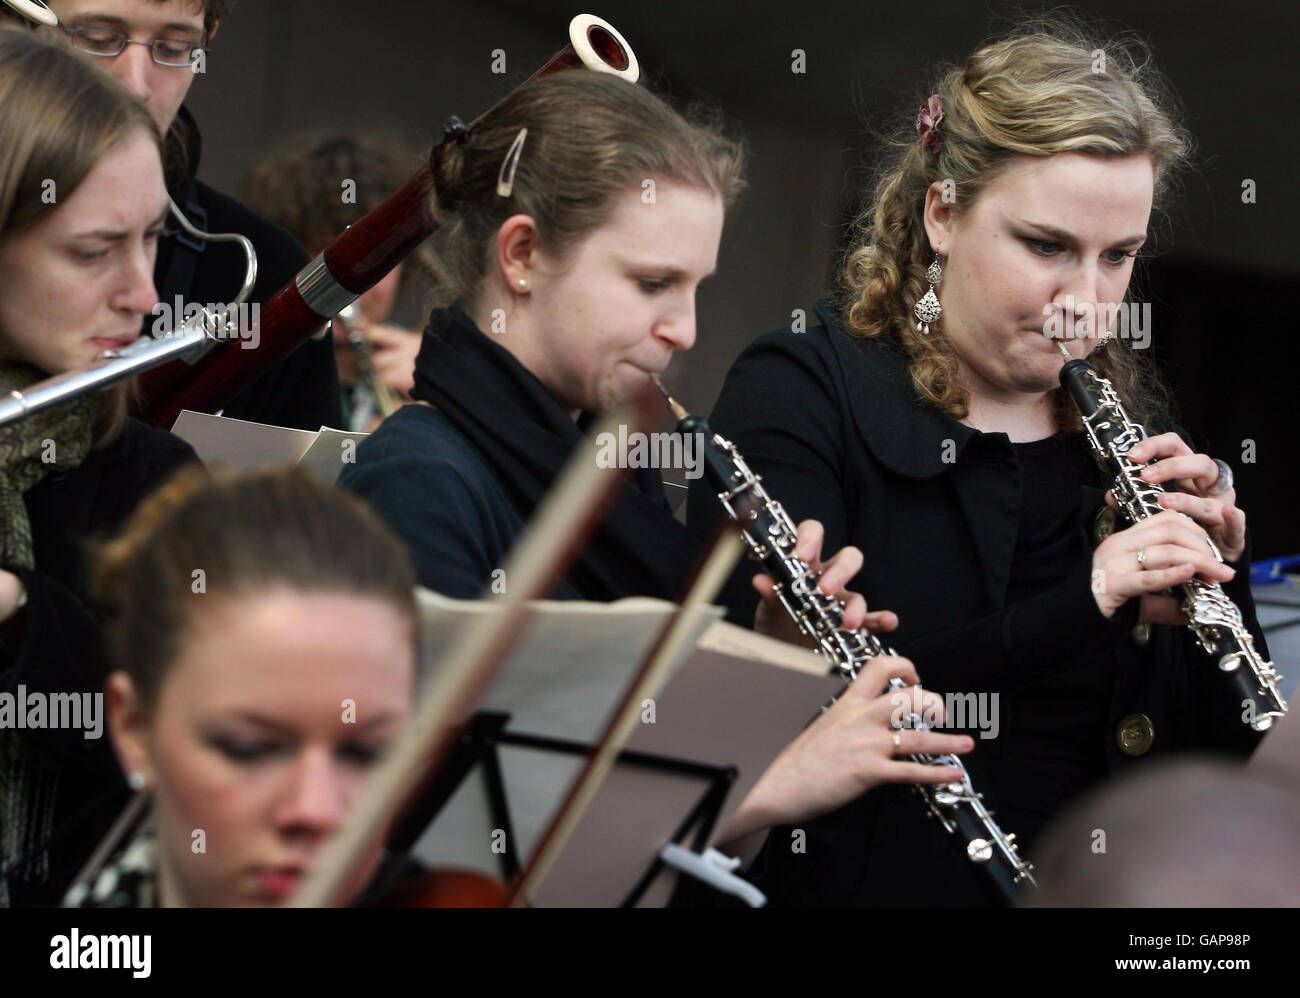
pixel 240 445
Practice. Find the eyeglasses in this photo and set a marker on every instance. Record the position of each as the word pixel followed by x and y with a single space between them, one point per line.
pixel 108 43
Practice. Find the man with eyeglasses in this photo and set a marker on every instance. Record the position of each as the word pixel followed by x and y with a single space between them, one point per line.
pixel 157 48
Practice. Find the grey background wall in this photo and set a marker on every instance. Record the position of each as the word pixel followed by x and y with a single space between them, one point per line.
pixel 402 66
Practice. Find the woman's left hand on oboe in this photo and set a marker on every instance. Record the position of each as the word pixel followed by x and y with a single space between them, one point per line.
pixel 1195 475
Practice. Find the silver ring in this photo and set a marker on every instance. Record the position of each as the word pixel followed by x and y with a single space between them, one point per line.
pixel 1142 559
pixel 1224 482
pixel 898 741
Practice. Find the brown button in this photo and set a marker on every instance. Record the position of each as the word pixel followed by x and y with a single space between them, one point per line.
pixel 1135 734
pixel 1103 524
pixel 1142 635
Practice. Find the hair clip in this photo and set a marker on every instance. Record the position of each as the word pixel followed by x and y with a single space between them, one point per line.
pixel 506 176
pixel 927 124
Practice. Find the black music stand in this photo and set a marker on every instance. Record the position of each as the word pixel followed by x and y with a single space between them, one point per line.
pixel 487 733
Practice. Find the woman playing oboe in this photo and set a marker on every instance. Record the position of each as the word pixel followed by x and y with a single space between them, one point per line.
pixel 921 422
pixel 581 216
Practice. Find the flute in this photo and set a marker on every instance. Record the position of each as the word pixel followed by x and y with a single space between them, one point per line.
pixel 358 258
pixel 348 267
pixel 189 342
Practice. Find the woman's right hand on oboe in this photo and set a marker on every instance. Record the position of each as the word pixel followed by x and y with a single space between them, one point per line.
pixel 845 752
pixel 1148 557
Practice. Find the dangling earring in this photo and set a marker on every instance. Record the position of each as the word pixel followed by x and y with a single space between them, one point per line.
pixel 928 308
pixel 1106 336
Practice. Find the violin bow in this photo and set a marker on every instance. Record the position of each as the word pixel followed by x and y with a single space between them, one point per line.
pixel 551 543
pixel 710 574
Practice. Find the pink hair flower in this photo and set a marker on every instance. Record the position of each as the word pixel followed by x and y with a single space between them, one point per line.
pixel 927 124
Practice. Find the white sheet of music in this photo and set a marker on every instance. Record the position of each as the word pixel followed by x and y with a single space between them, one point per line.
pixel 239 445
pixel 736 700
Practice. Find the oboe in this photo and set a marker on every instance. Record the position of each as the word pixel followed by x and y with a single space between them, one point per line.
pixel 770 535
pixel 1212 616
pixel 386 400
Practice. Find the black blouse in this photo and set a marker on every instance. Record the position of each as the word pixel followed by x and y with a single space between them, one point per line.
pixel 1055 745
pixel 54 644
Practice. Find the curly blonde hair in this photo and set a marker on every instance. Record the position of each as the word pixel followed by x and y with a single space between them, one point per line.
pixel 1045 90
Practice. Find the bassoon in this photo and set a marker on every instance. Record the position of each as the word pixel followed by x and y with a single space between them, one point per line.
pixel 200 365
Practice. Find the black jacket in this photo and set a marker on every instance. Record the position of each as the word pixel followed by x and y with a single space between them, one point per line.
pixel 301 391
pixel 437 493
pixel 54 644
pixel 460 481
pixel 837 432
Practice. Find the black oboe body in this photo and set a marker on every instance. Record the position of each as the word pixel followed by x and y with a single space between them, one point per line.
pixel 771 535
pixel 1212 616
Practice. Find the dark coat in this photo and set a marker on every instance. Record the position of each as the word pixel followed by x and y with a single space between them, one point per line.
pixel 459 482
pixel 302 390
pixel 837 432
pixel 435 491
pixel 54 644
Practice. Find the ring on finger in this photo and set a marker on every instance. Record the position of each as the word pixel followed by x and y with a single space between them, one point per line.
pixel 898 741
pixel 1223 483
pixel 1142 559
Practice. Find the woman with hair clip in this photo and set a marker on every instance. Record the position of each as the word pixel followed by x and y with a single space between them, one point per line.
pixel 82 204
pixel 249 709
pixel 922 423
pixel 580 217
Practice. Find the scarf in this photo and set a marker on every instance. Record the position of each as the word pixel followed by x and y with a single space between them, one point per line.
pixel 129 879
pixel 525 436
pixel 54 439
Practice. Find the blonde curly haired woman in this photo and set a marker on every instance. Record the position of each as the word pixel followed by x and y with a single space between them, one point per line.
pixel 922 423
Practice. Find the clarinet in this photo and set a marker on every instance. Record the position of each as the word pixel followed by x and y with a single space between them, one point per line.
pixel 770 536
pixel 1212 616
